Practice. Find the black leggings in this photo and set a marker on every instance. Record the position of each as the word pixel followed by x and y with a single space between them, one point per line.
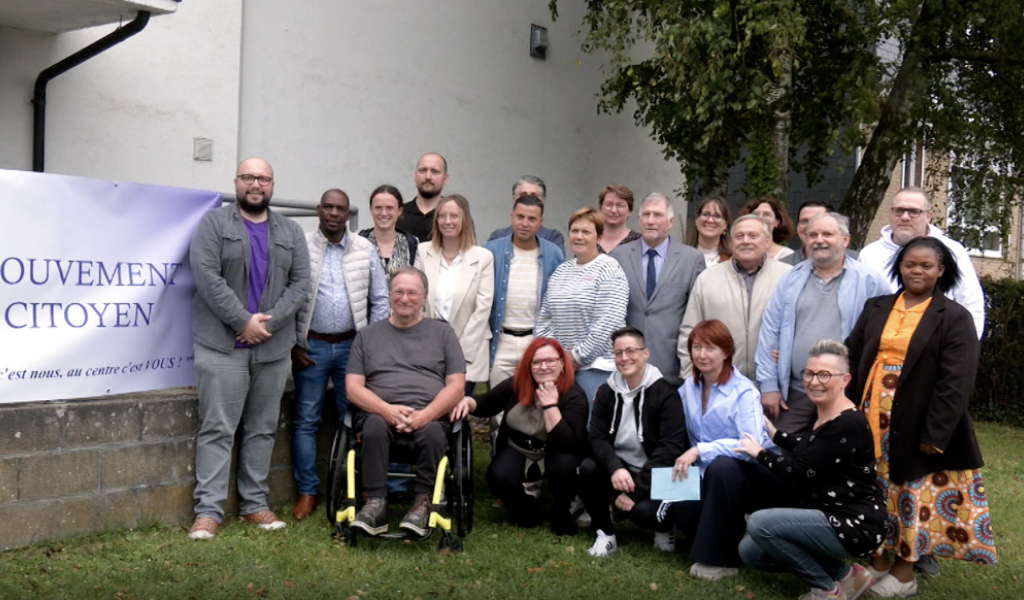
pixel 507 472
pixel 730 489
pixel 596 491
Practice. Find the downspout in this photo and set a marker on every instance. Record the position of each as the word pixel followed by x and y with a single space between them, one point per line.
pixel 39 98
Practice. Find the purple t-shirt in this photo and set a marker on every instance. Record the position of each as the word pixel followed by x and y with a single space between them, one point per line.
pixel 258 266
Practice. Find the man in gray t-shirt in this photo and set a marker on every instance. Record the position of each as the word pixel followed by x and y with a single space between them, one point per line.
pixel 405 374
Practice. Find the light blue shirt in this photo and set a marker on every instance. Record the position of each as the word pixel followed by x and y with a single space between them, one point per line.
pixel 778 325
pixel 661 250
pixel 333 310
pixel 734 410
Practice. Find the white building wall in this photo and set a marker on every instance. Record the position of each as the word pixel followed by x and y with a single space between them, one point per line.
pixel 337 94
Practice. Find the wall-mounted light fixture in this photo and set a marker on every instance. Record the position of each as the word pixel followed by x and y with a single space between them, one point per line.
pixel 538 41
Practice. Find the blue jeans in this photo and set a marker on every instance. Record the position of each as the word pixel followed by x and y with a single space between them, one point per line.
pixel 590 380
pixel 795 540
pixel 310 388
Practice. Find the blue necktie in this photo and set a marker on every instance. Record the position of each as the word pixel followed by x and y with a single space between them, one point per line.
pixel 652 274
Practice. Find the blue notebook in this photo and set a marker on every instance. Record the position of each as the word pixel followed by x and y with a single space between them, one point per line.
pixel 664 489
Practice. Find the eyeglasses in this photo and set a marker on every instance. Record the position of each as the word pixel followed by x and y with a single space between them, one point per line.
pixel 898 211
pixel 710 216
pixel 823 376
pixel 262 179
pixel 628 353
pixel 545 362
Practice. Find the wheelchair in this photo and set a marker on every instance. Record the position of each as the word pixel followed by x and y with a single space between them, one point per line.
pixel 453 486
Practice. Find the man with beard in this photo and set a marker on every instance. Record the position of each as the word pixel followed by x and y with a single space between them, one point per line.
pixel 348 290
pixel 431 176
pixel 820 298
pixel 251 270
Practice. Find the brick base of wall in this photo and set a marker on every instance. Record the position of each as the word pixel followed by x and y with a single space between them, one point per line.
pixel 82 466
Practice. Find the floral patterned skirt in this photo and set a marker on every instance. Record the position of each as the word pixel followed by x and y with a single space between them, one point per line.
pixel 944 514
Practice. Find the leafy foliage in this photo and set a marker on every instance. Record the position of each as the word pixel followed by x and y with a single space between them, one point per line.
pixel 999 389
pixel 720 75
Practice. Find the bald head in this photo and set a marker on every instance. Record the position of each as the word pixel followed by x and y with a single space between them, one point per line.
pixel 254 185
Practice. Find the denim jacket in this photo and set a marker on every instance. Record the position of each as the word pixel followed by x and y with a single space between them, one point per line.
pixel 778 325
pixel 220 258
pixel 550 257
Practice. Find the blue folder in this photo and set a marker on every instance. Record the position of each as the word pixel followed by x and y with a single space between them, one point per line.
pixel 664 489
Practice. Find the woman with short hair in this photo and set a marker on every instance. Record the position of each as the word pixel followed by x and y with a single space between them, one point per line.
pixel 585 302
pixel 616 204
pixel 721 407
pixel 841 511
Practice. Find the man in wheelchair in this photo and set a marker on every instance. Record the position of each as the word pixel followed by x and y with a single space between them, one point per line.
pixel 404 374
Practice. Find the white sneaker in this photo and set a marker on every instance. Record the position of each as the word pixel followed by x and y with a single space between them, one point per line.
pixel 712 573
pixel 835 593
pixel 890 587
pixel 666 542
pixel 604 545
pixel 878 575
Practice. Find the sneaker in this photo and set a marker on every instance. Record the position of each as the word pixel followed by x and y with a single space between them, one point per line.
pixel 418 517
pixel 890 587
pixel 579 513
pixel 927 565
pixel 878 575
pixel 666 542
pixel 204 528
pixel 604 545
pixel 373 517
pixel 265 520
pixel 856 581
pixel 712 573
pixel 836 593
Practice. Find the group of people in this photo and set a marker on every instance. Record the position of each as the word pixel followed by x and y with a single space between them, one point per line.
pixel 640 352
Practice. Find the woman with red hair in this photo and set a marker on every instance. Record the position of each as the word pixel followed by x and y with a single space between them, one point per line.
pixel 721 407
pixel 543 433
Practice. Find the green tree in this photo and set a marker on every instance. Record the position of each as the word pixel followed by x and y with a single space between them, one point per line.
pixel 790 80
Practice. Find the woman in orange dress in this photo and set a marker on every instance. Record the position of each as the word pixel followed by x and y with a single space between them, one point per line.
pixel 916 356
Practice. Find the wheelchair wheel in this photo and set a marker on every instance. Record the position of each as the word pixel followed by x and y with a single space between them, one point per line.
pixel 470 494
pixel 336 474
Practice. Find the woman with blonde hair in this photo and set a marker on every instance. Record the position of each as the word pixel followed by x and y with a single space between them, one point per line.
pixel 461 283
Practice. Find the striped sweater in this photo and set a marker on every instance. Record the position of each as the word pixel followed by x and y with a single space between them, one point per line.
pixel 582 306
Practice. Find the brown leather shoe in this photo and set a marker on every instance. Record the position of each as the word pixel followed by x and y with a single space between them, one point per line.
pixel 305 507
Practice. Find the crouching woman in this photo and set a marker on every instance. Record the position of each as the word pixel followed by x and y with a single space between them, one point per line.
pixel 832 470
pixel 637 425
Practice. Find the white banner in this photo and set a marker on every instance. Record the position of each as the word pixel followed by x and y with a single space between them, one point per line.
pixel 95 286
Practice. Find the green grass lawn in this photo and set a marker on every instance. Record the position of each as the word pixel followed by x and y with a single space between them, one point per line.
pixel 500 561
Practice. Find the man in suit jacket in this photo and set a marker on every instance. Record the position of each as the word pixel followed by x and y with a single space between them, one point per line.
pixel 661 273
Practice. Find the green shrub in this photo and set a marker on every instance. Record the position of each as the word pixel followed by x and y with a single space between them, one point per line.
pixel 999 389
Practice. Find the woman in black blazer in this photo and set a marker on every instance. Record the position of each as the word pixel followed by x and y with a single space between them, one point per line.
pixel 916 355
pixel 543 433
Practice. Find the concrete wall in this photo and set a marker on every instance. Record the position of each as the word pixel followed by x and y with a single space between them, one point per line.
pixel 71 468
pixel 335 95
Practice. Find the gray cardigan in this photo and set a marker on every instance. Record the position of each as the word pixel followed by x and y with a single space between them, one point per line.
pixel 220 257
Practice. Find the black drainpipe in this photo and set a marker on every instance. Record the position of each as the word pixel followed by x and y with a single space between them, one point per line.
pixel 39 98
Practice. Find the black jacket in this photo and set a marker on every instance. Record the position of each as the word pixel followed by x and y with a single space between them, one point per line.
pixel 934 389
pixel 569 436
pixel 664 430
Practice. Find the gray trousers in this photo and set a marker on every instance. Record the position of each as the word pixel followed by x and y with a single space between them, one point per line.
pixel 801 415
pixel 235 391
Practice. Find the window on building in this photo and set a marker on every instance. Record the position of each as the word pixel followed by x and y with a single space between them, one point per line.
pixel 914 163
pixel 979 228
